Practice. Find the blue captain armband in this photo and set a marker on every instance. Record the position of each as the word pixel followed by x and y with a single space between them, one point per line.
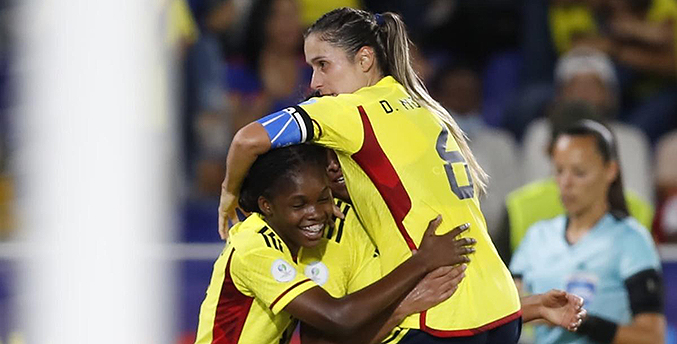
pixel 288 127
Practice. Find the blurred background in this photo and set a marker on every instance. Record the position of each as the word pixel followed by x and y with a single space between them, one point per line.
pixel 115 121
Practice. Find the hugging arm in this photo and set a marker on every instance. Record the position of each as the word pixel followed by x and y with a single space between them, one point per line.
pixel 436 287
pixel 346 316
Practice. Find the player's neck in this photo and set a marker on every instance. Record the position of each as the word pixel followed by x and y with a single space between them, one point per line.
pixel 581 223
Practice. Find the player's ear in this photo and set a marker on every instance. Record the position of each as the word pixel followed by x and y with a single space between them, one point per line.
pixel 264 206
pixel 366 57
pixel 612 171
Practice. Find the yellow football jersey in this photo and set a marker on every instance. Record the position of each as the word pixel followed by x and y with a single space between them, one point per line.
pixel 345 261
pixel 402 169
pixel 253 280
pixel 256 277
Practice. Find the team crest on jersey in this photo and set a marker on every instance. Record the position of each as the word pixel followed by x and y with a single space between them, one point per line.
pixel 282 271
pixel 318 272
pixel 584 285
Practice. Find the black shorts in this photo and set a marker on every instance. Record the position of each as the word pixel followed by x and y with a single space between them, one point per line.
pixel 505 334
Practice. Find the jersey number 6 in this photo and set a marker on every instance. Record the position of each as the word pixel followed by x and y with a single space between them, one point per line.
pixel 462 192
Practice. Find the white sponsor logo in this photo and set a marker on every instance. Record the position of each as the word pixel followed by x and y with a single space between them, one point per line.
pixel 282 271
pixel 583 284
pixel 318 272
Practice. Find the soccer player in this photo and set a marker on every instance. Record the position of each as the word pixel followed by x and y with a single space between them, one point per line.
pixel 596 249
pixel 404 158
pixel 276 259
pixel 553 306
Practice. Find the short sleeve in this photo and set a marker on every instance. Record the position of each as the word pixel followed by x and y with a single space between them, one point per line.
pixel 336 123
pixel 637 252
pixel 366 259
pixel 269 276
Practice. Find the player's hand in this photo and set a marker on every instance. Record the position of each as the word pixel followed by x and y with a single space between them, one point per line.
pixel 227 214
pixel 562 309
pixel 436 287
pixel 445 249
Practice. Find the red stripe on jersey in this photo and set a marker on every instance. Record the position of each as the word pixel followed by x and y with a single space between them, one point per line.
pixel 288 290
pixel 378 168
pixel 468 332
pixel 231 311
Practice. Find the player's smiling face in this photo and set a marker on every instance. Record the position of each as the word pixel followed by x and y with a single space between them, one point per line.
pixel 582 175
pixel 301 209
pixel 334 72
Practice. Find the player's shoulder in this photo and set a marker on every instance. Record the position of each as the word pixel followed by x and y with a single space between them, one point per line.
pixel 385 88
pixel 546 228
pixel 254 236
pixel 630 230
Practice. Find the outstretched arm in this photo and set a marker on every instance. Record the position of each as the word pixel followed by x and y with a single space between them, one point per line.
pixel 346 316
pixel 557 307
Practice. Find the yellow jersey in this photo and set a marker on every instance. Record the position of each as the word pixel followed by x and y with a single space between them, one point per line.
pixel 256 277
pixel 402 169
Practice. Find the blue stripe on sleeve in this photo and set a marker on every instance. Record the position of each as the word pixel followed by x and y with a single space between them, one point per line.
pixel 284 128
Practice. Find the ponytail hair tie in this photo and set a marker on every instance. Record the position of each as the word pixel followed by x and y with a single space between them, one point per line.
pixel 379 19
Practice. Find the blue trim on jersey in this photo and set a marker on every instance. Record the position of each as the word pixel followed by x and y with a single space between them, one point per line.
pixel 285 127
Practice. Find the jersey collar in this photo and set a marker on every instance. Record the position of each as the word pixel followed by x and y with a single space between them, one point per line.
pixel 601 223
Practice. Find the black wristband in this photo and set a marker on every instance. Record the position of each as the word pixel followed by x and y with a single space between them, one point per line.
pixel 598 329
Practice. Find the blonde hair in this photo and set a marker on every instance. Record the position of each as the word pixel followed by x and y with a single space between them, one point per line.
pixel 352 29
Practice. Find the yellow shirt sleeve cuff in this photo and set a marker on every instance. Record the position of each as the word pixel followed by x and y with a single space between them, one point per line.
pixel 290 294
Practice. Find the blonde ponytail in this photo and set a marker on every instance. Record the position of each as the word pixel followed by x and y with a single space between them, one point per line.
pixel 399 65
pixel 351 29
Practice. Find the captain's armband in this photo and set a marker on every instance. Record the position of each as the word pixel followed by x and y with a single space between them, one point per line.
pixel 287 127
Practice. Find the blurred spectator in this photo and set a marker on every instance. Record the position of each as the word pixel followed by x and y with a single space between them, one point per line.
pixel 583 74
pixel 273 73
pixel 640 37
pixel 665 223
pixel 206 122
pixel 595 250
pixel 182 31
pixel 540 199
pixel 586 75
pixel 459 90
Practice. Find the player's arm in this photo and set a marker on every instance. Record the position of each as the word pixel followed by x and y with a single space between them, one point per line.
pixel 345 316
pixel 648 322
pixel 556 307
pixel 248 143
pixel 283 128
pixel 436 287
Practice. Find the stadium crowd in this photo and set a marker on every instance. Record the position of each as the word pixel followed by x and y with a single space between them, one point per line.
pixel 513 74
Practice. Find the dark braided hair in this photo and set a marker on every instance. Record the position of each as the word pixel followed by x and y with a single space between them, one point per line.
pixel 276 168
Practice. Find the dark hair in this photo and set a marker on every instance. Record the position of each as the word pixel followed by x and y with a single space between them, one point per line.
pixel 606 146
pixel 274 169
pixel 254 38
pixel 351 29
pixel 564 115
pixel 255 31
